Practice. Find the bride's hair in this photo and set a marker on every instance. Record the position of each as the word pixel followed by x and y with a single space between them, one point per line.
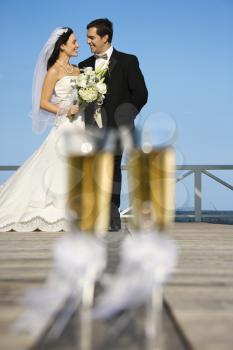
pixel 63 38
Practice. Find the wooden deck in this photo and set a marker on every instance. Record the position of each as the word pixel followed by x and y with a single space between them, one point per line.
pixel 200 294
pixel 198 312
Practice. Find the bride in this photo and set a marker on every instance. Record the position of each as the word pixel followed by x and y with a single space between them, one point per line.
pixel 34 198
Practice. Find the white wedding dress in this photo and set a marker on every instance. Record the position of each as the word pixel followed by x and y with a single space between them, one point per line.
pixel 35 195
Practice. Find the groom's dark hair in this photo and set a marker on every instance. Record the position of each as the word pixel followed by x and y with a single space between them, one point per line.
pixel 103 27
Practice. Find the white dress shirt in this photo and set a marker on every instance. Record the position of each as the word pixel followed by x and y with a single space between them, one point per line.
pixel 101 61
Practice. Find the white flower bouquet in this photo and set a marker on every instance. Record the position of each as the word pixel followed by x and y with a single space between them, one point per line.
pixel 91 86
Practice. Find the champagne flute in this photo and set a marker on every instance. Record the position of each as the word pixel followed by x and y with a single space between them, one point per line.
pixel 152 190
pixel 90 176
pixel 90 161
pixel 152 187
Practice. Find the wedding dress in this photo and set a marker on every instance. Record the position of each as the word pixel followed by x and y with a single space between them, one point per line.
pixel 35 195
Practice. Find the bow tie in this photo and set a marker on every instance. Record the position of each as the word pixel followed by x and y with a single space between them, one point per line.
pixel 104 57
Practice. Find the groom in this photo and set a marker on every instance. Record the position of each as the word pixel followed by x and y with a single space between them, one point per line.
pixel 126 95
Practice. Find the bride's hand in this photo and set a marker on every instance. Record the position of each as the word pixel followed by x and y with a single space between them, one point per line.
pixel 72 111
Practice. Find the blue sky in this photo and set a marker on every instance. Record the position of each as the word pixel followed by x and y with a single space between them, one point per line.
pixel 185 50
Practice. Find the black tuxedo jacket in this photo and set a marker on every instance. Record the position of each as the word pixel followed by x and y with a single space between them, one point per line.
pixel 126 91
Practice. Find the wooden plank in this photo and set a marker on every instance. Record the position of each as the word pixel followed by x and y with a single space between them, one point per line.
pixel 200 294
pixel 25 261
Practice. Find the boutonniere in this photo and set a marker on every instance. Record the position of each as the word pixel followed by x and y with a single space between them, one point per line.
pixel 101 72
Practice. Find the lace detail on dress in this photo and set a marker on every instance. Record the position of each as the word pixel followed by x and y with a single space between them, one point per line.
pixel 37 223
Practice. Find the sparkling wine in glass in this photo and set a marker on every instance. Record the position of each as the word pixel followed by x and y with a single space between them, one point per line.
pixel 90 162
pixel 152 187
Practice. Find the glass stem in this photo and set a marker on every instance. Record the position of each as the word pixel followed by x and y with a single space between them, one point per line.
pixel 153 321
pixel 85 315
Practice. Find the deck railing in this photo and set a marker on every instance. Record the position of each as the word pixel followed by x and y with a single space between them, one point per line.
pixel 197 170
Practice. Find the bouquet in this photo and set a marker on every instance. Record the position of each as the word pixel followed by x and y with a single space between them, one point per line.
pixel 91 86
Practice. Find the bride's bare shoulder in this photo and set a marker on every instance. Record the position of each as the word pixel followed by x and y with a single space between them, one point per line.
pixel 52 73
pixel 55 72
